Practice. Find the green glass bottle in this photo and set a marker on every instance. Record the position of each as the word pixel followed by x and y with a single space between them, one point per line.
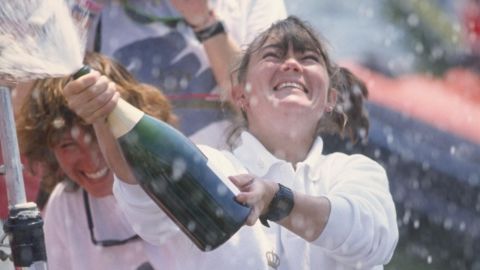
pixel 178 177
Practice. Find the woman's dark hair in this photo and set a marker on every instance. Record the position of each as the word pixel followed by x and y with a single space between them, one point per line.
pixel 349 115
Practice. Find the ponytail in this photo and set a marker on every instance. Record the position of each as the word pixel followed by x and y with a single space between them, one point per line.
pixel 349 116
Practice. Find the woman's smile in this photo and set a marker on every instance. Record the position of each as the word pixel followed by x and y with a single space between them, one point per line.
pixel 97 175
pixel 290 85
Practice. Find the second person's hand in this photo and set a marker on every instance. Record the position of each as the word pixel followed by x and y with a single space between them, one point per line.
pixel 255 192
pixel 195 12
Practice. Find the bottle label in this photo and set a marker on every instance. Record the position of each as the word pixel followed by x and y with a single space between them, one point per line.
pixel 123 118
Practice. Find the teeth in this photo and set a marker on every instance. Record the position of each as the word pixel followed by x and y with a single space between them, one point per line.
pixel 98 174
pixel 290 84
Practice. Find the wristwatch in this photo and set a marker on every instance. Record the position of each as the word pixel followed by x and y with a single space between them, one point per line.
pixel 280 206
pixel 209 32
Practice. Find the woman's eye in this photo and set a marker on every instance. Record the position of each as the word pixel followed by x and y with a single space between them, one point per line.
pixel 270 54
pixel 311 57
pixel 66 145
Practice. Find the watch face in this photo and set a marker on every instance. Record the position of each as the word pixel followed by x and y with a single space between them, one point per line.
pixel 281 204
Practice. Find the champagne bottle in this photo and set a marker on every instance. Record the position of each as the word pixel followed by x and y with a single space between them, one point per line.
pixel 177 176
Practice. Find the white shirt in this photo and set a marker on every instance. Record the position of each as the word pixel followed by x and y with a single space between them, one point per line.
pixel 67 236
pixel 361 232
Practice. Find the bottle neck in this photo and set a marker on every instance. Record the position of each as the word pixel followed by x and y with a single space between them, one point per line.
pixel 123 118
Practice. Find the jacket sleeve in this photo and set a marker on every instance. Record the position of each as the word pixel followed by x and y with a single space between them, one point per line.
pixel 362 227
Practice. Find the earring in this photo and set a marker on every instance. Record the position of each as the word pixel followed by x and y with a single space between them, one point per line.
pixel 241 104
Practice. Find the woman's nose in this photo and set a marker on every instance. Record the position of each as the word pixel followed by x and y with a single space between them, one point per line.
pixel 291 63
pixel 91 155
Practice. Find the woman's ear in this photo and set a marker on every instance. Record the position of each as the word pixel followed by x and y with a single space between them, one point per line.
pixel 238 97
pixel 331 99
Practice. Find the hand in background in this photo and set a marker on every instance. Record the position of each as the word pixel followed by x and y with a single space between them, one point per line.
pixel 195 12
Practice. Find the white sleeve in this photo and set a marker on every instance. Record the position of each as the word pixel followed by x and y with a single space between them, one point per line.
pixel 146 217
pixel 55 233
pixel 261 14
pixel 362 227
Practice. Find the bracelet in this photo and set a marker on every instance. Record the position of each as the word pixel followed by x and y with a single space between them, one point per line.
pixel 210 31
pixel 280 206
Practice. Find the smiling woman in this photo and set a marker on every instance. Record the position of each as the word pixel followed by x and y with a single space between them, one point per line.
pixel 323 211
pixel 59 132
pixel 77 175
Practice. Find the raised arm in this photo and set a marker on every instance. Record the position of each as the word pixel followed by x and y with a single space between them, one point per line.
pixel 221 49
pixel 224 48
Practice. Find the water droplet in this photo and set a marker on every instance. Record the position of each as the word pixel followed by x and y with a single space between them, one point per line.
pixel 135 64
pixel 222 190
pixel 389 138
pixel 191 225
pixel 170 83
pixel 75 132
pixel 248 87
pixel 462 226
pixel 36 93
pixel 416 224
pixel 219 212
pixel 425 166
pixel 58 123
pixel 406 217
pixel 474 179
pixel 179 166
pixel 448 224
pixel 88 138
pixel 183 83
pixel 357 91
pixel 155 72
pixel 419 48
pixel 437 53
pixel 413 20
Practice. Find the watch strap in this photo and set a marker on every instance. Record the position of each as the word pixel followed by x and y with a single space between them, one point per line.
pixel 210 31
pixel 280 206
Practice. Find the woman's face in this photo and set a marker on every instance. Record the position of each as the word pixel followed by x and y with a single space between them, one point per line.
pixel 286 84
pixel 79 156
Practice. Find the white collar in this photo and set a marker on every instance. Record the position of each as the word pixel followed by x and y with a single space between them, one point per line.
pixel 315 153
pixel 256 158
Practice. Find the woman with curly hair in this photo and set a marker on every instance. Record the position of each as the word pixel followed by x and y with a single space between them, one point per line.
pixel 84 227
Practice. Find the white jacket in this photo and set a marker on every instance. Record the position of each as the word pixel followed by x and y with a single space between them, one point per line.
pixel 361 232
